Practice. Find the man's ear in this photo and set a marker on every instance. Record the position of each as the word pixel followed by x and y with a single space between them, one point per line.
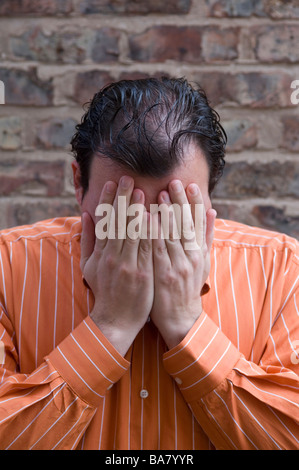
pixel 77 182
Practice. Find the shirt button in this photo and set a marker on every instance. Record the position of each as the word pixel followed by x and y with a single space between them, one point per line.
pixel 178 381
pixel 143 393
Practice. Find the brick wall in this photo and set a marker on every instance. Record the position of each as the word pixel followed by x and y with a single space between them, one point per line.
pixel 54 54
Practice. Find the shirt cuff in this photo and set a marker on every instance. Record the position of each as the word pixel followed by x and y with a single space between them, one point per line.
pixel 202 360
pixel 88 362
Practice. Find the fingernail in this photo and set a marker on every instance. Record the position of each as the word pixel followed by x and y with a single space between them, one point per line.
pixel 136 195
pixel 125 182
pixel 165 197
pixel 176 186
pixel 193 189
pixel 110 187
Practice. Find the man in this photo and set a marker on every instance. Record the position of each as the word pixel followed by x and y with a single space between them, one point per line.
pixel 117 341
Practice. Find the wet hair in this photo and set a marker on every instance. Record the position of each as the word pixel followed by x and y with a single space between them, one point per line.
pixel 146 125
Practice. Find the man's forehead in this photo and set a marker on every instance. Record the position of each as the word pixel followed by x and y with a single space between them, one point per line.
pixel 149 185
pixel 192 169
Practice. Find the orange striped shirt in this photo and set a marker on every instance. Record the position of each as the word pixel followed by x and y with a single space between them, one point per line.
pixel 232 383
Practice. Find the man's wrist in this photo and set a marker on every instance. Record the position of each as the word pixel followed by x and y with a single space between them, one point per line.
pixel 120 337
pixel 174 333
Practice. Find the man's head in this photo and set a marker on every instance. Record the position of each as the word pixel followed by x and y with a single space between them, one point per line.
pixel 153 130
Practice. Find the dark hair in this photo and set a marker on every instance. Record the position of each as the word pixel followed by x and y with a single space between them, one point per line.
pixel 145 124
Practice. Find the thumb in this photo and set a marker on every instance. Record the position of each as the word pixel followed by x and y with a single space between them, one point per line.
pixel 87 238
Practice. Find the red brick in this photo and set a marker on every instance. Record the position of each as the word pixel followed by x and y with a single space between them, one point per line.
pixel 266 216
pixel 136 75
pixel 277 219
pixel 105 45
pixel 35 7
pixel 241 134
pixel 259 180
pixel 248 89
pixel 161 43
pixel 282 9
pixel 34 44
pixel 276 9
pixel 25 88
pixel 139 7
pixel 56 47
pixel 55 133
pixel 69 47
pixel 290 133
pixel 10 133
pixel 275 43
pixel 31 211
pixel 220 44
pixel 233 8
pixel 185 43
pixel 31 177
pixel 89 83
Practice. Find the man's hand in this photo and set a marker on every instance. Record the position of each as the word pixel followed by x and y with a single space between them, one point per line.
pixel 180 272
pixel 118 271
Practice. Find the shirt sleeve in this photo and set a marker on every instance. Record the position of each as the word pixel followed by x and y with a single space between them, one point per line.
pixel 241 404
pixel 51 407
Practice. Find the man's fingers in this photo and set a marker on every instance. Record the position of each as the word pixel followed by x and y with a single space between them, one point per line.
pixel 104 215
pixel 134 227
pixel 160 252
pixel 120 207
pixel 145 244
pixel 211 217
pixel 87 238
pixel 198 213
pixel 188 214
pixel 171 219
